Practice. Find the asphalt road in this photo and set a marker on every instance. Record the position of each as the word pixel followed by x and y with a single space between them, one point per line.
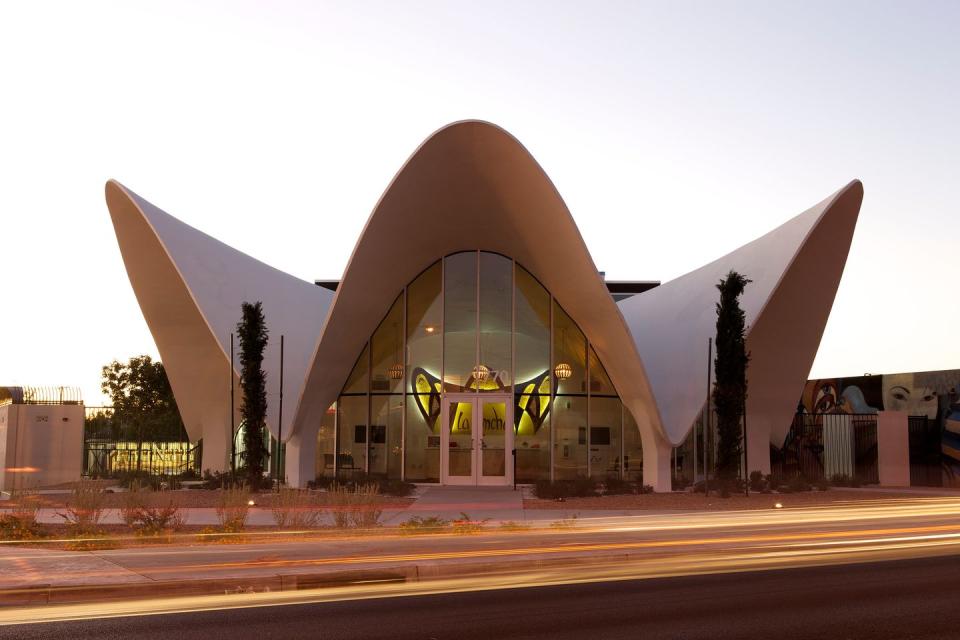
pixel 917 598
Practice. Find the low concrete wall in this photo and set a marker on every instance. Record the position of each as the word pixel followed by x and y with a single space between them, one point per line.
pixel 42 445
pixel 893 449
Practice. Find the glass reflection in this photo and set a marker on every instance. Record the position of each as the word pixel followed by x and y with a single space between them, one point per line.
pixel 496 322
pixel 459 320
pixel 385 446
pixel 569 353
pixel 386 371
pixel 460 455
pixel 632 448
pixel 326 443
pixel 357 380
pixel 605 429
pixel 352 419
pixel 494 438
pixel 570 446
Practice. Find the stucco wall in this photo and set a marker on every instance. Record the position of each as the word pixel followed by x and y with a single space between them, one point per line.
pixel 40 445
pixel 893 449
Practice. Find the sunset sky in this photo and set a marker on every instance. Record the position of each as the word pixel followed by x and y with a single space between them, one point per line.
pixel 675 131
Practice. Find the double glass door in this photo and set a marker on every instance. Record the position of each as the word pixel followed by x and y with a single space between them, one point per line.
pixel 476 440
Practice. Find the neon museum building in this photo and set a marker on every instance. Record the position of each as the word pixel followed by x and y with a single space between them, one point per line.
pixel 471 339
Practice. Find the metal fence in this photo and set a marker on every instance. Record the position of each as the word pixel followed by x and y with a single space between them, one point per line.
pixel 107 458
pixel 823 446
pixel 106 452
pixel 926 468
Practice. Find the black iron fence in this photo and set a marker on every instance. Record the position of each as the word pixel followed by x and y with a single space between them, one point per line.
pixel 106 452
pixel 108 458
pixel 926 468
pixel 822 446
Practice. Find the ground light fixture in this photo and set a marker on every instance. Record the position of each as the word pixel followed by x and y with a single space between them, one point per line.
pixel 778 506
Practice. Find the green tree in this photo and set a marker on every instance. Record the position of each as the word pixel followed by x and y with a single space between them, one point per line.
pixel 143 402
pixel 100 425
pixel 252 333
pixel 730 370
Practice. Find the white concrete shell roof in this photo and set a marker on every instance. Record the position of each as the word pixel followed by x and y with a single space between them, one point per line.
pixel 471 185
pixel 190 287
pixel 795 271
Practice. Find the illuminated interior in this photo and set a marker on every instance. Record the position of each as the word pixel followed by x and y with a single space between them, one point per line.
pixel 477 322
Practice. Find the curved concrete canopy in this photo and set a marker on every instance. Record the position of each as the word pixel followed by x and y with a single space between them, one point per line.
pixel 795 271
pixel 190 287
pixel 471 185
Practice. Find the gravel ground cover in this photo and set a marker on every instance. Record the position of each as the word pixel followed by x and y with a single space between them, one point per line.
pixel 683 501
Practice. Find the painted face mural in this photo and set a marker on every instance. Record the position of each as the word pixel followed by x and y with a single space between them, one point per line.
pixel 902 393
pixel 821 396
pixel 933 394
pixel 842 395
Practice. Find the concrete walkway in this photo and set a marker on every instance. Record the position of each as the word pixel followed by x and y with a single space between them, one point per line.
pixel 496 504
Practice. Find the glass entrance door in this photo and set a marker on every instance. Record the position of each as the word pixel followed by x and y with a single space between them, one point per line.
pixel 476 442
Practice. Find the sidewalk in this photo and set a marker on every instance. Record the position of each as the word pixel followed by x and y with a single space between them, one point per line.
pixel 555 539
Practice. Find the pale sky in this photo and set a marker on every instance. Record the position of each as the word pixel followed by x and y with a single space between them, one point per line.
pixel 675 131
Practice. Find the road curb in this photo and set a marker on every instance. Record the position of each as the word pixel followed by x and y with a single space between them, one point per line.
pixel 58 595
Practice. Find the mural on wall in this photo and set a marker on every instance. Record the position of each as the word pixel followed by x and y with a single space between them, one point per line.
pixel 933 394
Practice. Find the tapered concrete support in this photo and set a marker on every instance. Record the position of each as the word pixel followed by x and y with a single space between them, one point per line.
pixel 216 446
pixel 301 464
pixel 758 444
pixel 657 462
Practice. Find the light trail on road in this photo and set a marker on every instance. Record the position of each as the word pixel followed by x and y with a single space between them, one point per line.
pixel 669 545
pixel 816 553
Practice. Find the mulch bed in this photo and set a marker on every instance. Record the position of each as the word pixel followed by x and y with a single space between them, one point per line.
pixel 198 498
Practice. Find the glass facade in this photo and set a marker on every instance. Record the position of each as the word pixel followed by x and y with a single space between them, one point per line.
pixel 326 443
pixel 477 323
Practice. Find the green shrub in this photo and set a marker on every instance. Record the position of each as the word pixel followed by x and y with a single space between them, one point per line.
pixel 757 482
pixel 296 508
pixel 680 483
pixel 233 507
pixel 84 508
pixel 150 512
pixel 386 486
pixel 356 506
pixel 566 523
pixel 644 489
pixel 418 524
pixel 844 480
pixel 146 480
pixel 20 521
pixel 617 486
pixel 223 479
pixel 561 489
pixel 798 484
pixel 464 525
